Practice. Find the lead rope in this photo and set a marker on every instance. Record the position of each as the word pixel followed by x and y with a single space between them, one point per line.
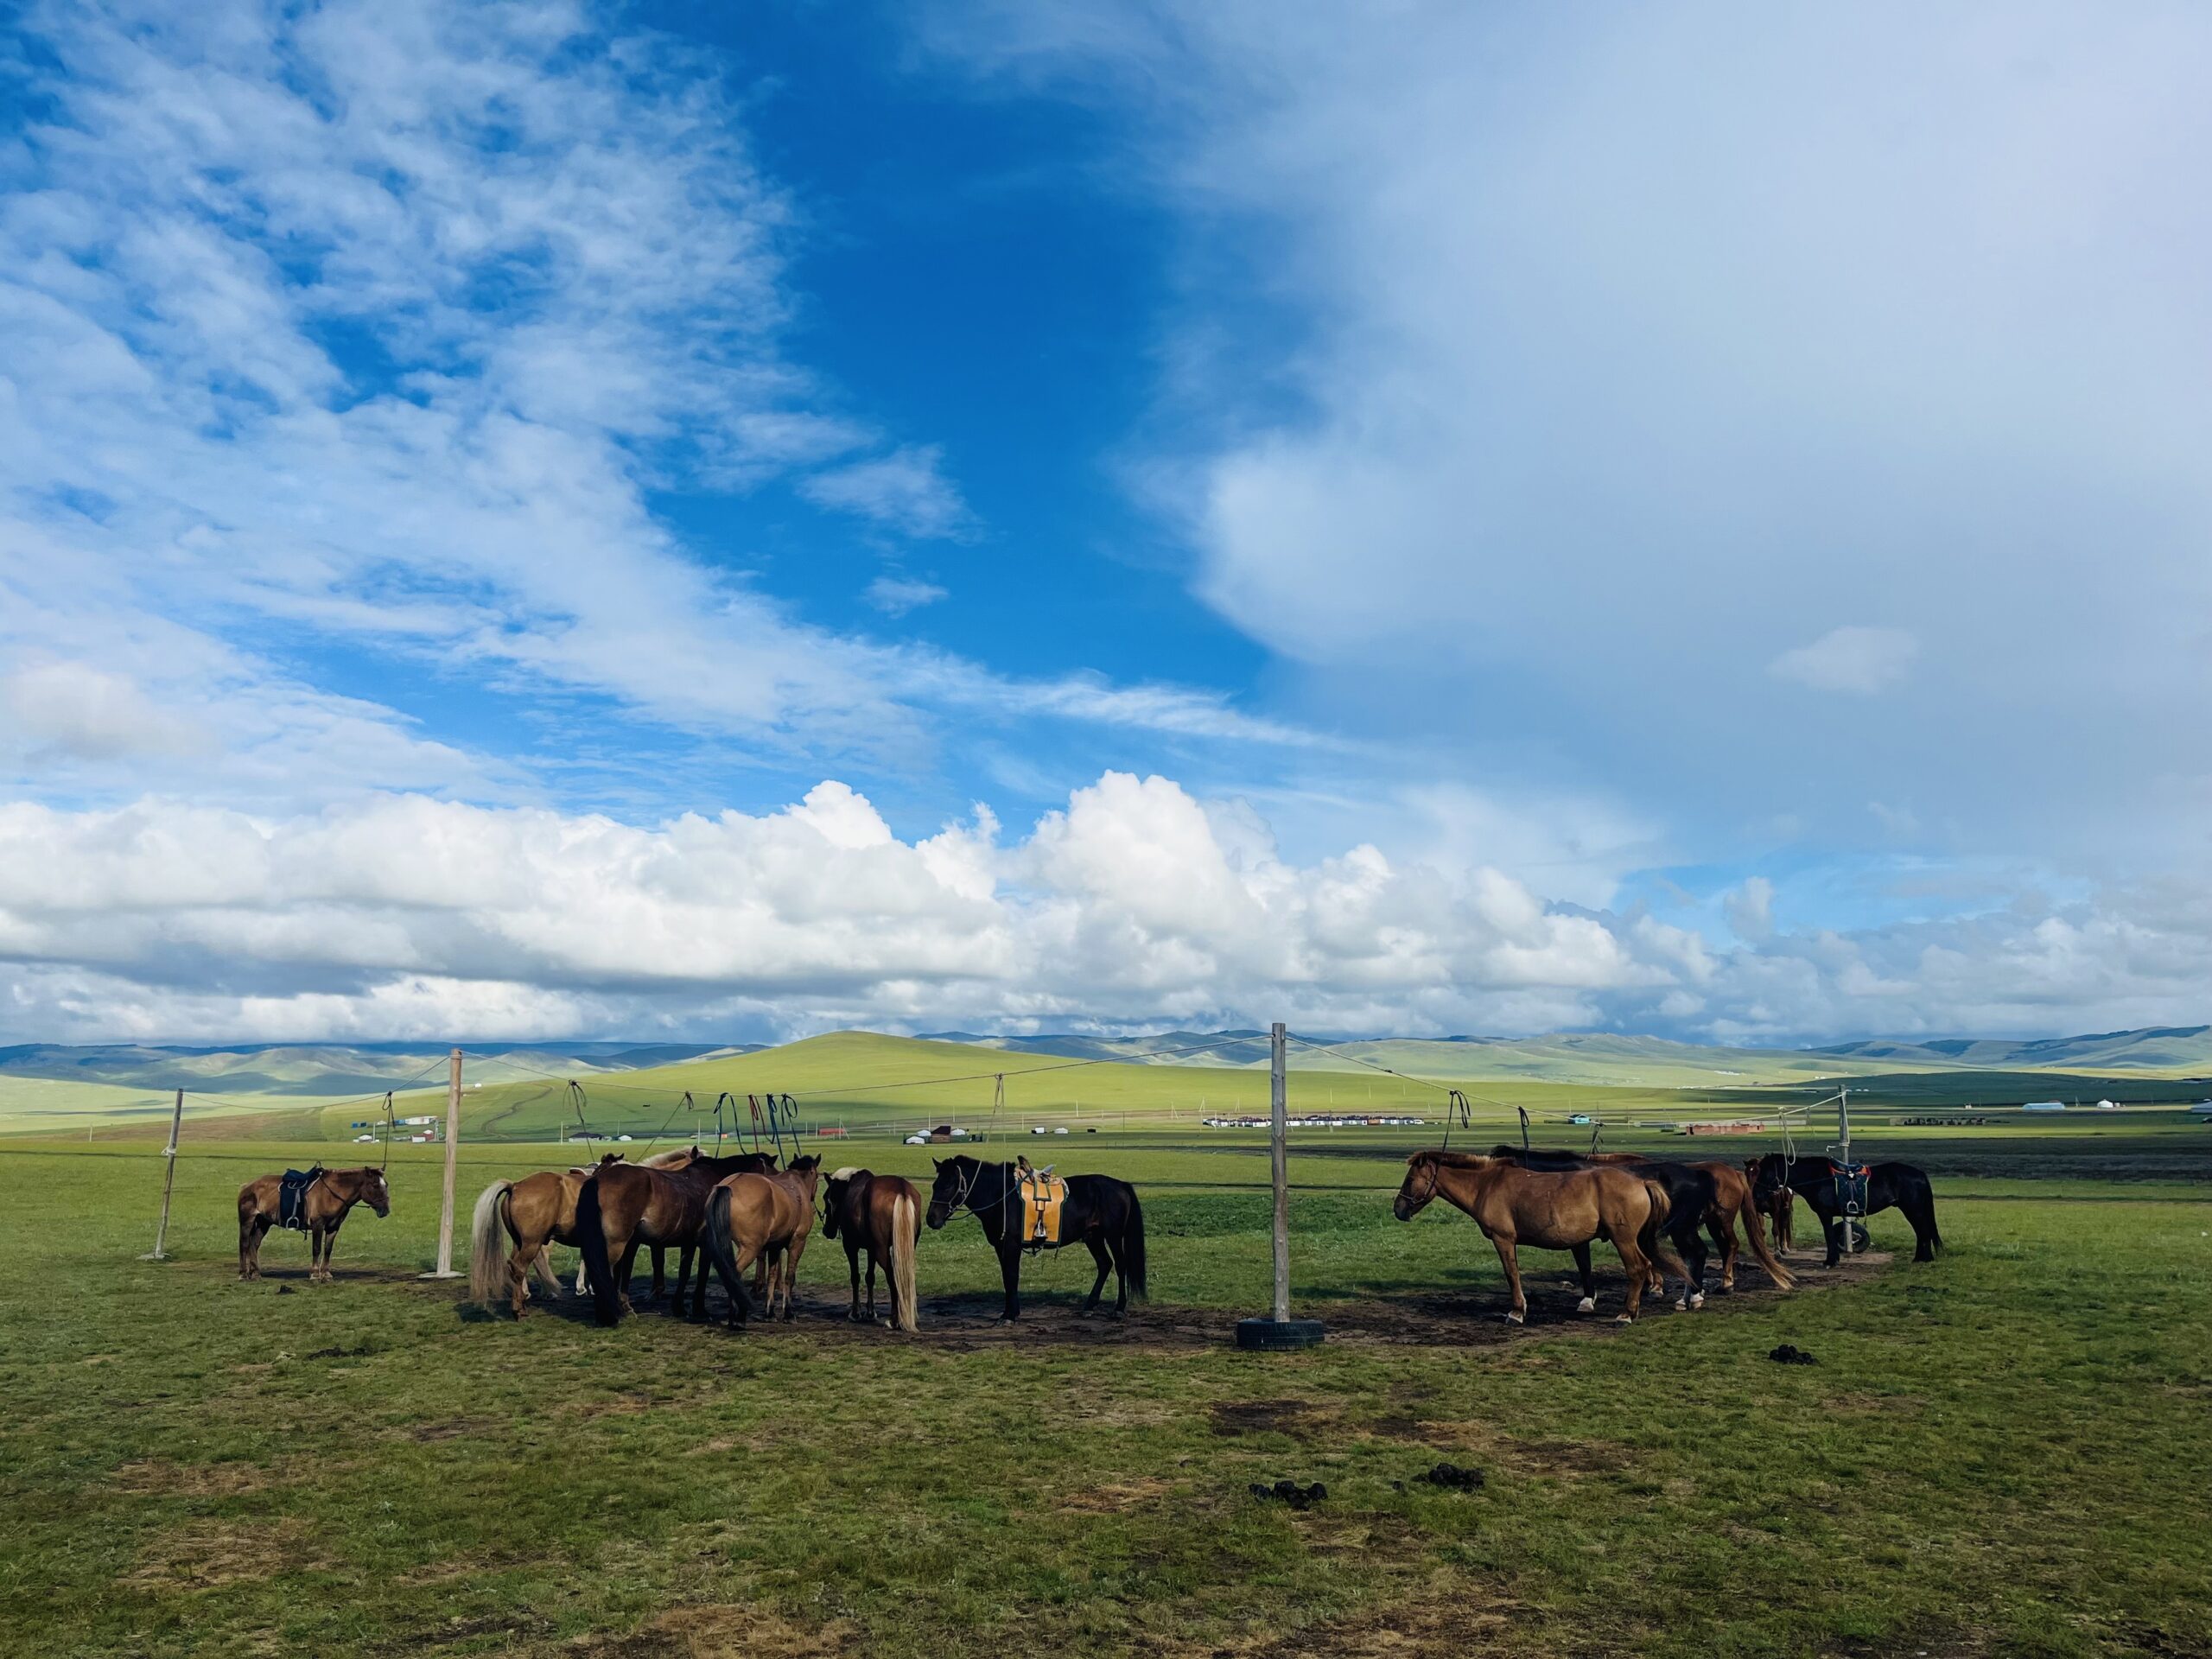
pixel 390 1128
pixel 576 1100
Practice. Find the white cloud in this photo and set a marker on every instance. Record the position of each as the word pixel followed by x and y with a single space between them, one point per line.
pixel 896 595
pixel 75 711
pixel 1862 661
pixel 405 916
pixel 1627 348
pixel 1749 910
pixel 905 491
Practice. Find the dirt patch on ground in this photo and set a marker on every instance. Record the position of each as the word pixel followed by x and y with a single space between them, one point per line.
pixel 721 1630
pixel 1299 1419
pixel 206 1555
pixel 1492 1450
pixel 1112 1500
pixel 159 1477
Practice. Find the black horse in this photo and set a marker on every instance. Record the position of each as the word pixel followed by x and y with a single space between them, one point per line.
pixel 1098 1211
pixel 1817 1181
pixel 1690 1199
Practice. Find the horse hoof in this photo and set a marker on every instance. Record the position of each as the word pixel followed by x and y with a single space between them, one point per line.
pixel 1624 1319
pixel 1698 1300
pixel 1515 1319
pixel 1682 1304
pixel 1587 1304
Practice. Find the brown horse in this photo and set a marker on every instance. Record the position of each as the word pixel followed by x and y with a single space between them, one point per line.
pixel 622 1206
pixel 1780 1206
pixel 1732 1199
pixel 536 1213
pixel 334 1192
pixel 1555 1212
pixel 882 1216
pixel 760 1218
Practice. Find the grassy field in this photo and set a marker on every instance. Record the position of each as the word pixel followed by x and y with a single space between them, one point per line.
pixel 2000 1454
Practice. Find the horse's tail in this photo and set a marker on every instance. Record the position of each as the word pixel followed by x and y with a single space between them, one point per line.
pixel 1657 1206
pixel 599 1267
pixel 1754 1232
pixel 905 1233
pixel 1133 1250
pixel 723 1254
pixel 486 1260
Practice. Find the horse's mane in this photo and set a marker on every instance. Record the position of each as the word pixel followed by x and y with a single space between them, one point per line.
pixel 1452 1159
pixel 847 1173
pixel 678 1159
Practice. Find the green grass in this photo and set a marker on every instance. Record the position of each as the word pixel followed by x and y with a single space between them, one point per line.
pixel 2003 1452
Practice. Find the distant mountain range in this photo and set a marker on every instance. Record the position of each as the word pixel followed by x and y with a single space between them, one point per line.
pixel 334 1070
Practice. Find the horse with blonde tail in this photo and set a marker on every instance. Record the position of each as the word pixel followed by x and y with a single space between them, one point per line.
pixel 879 1215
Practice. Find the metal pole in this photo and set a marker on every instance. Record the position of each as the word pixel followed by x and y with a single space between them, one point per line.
pixel 169 1181
pixel 444 1270
pixel 1279 1160
pixel 1843 1133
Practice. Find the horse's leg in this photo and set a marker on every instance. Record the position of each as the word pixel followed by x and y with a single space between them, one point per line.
pixel 329 1249
pixel 1690 1246
pixel 874 1263
pixel 791 1274
pixel 1118 1246
pixel 1632 1261
pixel 623 1267
pixel 1105 1258
pixel 1918 1204
pixel 1831 1229
pixel 249 1244
pixel 518 1267
pixel 1509 1258
pixel 1589 1302
pixel 314 1253
pixel 1010 1272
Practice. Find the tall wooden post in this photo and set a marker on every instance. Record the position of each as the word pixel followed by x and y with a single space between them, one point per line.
pixel 1843 1140
pixel 169 1181
pixel 1279 1329
pixel 1279 1163
pixel 444 1270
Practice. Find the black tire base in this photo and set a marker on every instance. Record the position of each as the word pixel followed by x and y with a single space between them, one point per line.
pixel 1278 1336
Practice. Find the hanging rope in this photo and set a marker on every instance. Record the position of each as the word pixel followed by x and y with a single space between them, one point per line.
pixel 390 1129
pixel 576 1100
pixel 725 1097
pixel 1523 1110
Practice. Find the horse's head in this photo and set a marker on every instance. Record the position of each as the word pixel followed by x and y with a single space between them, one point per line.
pixel 374 1193
pixel 1418 1188
pixel 1765 1174
pixel 955 1177
pixel 807 1169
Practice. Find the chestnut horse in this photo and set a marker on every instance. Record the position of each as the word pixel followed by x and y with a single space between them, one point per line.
pixel 764 1218
pixel 333 1193
pixel 622 1206
pixel 882 1216
pixel 1720 1189
pixel 536 1212
pixel 1562 1210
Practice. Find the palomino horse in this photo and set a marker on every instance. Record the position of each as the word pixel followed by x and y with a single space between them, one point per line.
pixel 765 1218
pixel 1712 1193
pixel 1099 1211
pixel 1815 1180
pixel 333 1193
pixel 622 1206
pixel 880 1214
pixel 536 1213
pixel 1562 1210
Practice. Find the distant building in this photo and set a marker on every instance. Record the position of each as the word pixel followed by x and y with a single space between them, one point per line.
pixel 2044 1106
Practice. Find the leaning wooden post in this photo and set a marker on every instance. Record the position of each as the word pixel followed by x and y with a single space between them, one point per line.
pixel 444 1270
pixel 1279 1331
pixel 169 1181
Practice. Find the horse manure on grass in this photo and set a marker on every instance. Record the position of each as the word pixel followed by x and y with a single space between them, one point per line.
pixel 1789 1354
pixel 1452 1478
pixel 1299 1497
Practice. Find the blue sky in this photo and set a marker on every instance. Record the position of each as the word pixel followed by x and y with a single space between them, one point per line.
pixel 570 519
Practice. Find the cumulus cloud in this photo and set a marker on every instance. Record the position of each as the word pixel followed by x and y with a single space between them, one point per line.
pixel 1862 661
pixel 74 710
pixel 1136 903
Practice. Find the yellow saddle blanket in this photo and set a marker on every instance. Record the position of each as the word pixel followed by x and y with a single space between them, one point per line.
pixel 1037 1200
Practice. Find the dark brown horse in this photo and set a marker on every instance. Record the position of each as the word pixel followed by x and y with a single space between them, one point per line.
pixel 624 1206
pixel 1562 1210
pixel 332 1194
pixel 1719 1190
pixel 538 1212
pixel 880 1214
pixel 763 1218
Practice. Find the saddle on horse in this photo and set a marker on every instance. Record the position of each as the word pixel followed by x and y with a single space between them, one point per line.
pixel 1038 1194
pixel 1850 1187
pixel 292 1196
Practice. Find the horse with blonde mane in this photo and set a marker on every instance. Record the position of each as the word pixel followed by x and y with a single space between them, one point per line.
pixel 535 1213
pixel 1563 1210
pixel 881 1216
